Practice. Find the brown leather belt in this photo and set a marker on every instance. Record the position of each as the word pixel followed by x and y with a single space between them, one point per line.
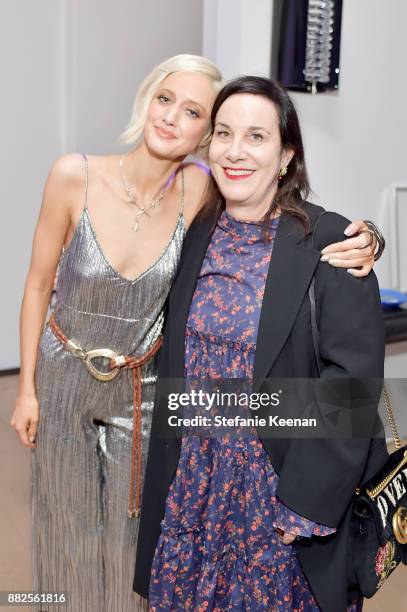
pixel 118 363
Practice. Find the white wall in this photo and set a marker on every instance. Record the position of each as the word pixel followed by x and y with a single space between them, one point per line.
pixel 70 69
pixel 30 138
pixel 237 35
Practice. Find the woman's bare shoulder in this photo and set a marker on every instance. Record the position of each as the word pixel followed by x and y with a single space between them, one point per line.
pixel 197 174
pixel 65 183
pixel 70 169
pixel 196 182
pixel 65 179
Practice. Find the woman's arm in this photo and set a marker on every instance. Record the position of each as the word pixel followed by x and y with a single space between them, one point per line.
pixel 61 193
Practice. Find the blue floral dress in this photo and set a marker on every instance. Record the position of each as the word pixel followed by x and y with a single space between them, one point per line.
pixel 220 547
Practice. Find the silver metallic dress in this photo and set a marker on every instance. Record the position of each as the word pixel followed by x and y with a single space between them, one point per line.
pixel 83 541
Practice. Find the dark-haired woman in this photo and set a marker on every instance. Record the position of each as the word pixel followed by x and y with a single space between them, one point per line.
pixel 240 309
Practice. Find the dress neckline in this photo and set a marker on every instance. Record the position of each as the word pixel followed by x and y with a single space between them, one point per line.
pixel 242 228
pixel 132 281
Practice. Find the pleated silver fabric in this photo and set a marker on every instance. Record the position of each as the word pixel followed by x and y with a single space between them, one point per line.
pixel 83 541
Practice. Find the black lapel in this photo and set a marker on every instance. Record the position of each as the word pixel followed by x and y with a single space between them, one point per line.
pixel 193 253
pixel 291 268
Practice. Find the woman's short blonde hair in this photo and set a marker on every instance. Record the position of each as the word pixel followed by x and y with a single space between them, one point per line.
pixel 178 63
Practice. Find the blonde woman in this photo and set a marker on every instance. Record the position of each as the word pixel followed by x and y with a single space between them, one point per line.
pixel 87 381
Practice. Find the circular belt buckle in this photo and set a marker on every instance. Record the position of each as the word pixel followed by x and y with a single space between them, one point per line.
pixel 103 376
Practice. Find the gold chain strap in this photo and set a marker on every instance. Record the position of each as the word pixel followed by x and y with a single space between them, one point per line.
pixel 390 417
pixel 373 493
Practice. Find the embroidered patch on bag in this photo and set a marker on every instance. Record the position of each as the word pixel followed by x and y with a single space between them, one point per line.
pixel 385 562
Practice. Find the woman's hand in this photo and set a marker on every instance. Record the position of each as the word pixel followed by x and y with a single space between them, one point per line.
pixel 357 252
pixel 287 538
pixel 25 419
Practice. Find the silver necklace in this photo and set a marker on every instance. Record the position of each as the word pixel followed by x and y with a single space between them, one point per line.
pixel 131 197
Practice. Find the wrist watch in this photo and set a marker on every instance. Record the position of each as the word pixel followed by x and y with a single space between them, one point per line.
pixel 381 243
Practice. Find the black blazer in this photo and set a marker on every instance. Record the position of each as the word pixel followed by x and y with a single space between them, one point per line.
pixel 317 477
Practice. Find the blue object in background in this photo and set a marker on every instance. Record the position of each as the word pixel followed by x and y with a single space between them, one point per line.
pixel 391 298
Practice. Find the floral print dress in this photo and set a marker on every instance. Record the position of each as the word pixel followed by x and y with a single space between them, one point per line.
pixel 220 547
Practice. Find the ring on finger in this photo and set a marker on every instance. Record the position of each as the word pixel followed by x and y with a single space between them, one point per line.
pixel 372 234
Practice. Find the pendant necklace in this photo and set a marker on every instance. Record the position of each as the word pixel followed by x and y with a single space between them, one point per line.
pixel 131 197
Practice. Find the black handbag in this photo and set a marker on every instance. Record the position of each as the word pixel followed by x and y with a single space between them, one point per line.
pixel 378 532
pixel 379 519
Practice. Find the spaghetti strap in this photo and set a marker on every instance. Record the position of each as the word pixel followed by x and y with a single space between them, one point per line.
pixel 84 204
pixel 181 210
pixel 169 181
pixel 85 159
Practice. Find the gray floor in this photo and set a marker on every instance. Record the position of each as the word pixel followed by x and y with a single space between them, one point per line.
pixel 15 573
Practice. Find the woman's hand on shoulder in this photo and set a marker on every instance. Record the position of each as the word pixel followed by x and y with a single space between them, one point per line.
pixel 196 181
pixel 355 253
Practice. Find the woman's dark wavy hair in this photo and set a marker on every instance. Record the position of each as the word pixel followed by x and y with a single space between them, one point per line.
pixel 294 188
